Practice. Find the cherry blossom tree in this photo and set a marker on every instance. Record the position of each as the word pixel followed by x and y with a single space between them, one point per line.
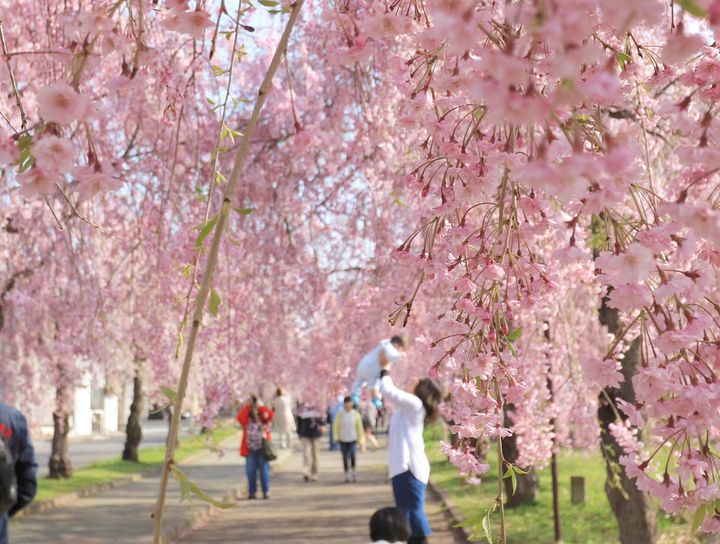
pixel 546 172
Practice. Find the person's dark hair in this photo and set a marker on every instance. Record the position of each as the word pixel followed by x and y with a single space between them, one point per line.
pixel 398 341
pixel 279 392
pixel 430 394
pixel 254 413
pixel 253 399
pixel 347 399
pixel 389 524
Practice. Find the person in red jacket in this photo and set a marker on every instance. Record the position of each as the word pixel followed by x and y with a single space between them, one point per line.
pixel 255 419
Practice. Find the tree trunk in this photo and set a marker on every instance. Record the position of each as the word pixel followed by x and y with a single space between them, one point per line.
pixel 60 464
pixel 633 509
pixel 133 430
pixel 527 484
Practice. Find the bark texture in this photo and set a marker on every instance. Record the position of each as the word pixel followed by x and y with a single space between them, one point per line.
pixel 527 484
pixel 60 465
pixel 633 509
pixel 133 429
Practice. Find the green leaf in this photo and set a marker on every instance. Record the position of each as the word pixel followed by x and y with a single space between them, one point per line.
pixel 510 473
pixel 169 393
pixel 244 211
pixel 692 8
pixel 219 70
pixel 187 487
pixel 227 132
pixel 205 231
pixel 187 270
pixel 698 518
pixel 214 302
pixel 514 335
pixel 486 528
pixel 268 3
pixel 180 343
pixel 623 59
pixel 26 158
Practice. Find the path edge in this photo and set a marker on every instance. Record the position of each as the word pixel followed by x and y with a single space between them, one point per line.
pixel 450 510
pixel 68 499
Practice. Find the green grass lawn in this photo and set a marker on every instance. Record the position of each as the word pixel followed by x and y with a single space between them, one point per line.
pixel 111 469
pixel 589 523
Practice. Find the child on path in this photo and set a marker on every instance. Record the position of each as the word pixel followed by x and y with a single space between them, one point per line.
pixel 389 526
pixel 348 429
pixel 408 465
pixel 381 356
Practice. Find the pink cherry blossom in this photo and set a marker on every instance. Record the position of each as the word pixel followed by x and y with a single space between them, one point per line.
pixel 9 152
pixel 631 296
pixel 635 264
pixel 382 25
pixel 36 181
pixel 192 23
pixel 54 154
pixel 302 139
pixel 60 103
pixel 603 372
pixel 91 182
pixel 679 47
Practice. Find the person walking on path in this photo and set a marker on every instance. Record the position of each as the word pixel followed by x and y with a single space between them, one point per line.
pixel 368 369
pixel 408 465
pixel 284 418
pixel 311 426
pixel 333 410
pixel 255 420
pixel 348 429
pixel 18 470
pixel 368 411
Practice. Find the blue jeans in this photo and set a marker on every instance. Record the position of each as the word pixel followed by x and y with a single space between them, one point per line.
pixel 255 462
pixel 348 454
pixel 409 495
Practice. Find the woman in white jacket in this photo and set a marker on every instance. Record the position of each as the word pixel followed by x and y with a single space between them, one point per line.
pixel 284 419
pixel 408 465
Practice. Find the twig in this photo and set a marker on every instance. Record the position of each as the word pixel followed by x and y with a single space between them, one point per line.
pixel 215 170
pixel 82 218
pixel 60 226
pixel 501 463
pixel 13 82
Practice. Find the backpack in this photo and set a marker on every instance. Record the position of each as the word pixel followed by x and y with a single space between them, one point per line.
pixel 8 478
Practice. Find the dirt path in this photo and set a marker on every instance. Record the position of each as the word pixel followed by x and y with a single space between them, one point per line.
pixel 328 511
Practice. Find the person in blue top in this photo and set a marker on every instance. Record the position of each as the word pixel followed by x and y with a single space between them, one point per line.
pixel 332 411
pixel 14 432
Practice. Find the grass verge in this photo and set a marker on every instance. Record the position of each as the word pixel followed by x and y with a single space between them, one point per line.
pixel 589 523
pixel 112 469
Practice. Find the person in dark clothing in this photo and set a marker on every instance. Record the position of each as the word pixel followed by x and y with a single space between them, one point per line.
pixel 310 427
pixel 14 431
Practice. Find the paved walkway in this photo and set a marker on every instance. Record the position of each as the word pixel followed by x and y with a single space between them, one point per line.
pixel 328 511
pixel 122 515
pixel 298 512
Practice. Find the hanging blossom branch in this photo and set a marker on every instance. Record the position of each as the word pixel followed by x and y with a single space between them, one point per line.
pixel 212 263
pixel 215 173
pixel 13 82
